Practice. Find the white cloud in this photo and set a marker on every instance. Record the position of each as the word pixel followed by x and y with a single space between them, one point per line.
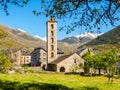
pixel 43 38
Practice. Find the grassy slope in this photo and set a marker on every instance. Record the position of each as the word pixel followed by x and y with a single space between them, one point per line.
pixel 18 39
pixel 6 39
pixel 106 41
pixel 37 81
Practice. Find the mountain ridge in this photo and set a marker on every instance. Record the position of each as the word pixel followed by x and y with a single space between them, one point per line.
pixel 82 38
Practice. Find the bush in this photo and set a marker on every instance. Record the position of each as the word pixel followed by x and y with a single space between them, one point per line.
pixel 5 63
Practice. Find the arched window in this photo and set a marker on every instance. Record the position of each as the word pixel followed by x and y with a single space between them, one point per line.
pixel 52 33
pixel 52 47
pixel 52 40
pixel 52 26
pixel 62 69
pixel 52 54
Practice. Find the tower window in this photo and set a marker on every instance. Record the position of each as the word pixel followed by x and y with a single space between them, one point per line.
pixel 52 33
pixel 52 47
pixel 52 40
pixel 52 26
pixel 52 54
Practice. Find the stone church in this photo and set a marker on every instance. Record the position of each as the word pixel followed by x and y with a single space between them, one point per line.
pixel 56 62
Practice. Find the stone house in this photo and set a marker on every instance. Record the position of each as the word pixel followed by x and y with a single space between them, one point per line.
pixel 25 57
pixel 39 57
pixel 21 57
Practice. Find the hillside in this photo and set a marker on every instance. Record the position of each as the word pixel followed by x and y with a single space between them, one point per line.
pixel 67 48
pixel 16 39
pixel 107 40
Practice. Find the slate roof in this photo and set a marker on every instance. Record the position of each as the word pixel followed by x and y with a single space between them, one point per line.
pixel 80 51
pixel 41 48
pixel 59 51
pixel 59 59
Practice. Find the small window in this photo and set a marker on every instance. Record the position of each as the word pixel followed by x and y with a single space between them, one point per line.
pixel 27 57
pixel 75 61
pixel 52 33
pixel 52 54
pixel 27 60
pixel 52 26
pixel 44 54
pixel 34 54
pixel 52 47
pixel 52 40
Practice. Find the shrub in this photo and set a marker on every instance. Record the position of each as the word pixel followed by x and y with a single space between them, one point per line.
pixel 5 63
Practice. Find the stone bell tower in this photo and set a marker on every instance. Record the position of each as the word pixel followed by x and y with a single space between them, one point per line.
pixel 51 39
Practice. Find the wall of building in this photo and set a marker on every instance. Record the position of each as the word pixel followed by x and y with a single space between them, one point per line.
pixel 25 59
pixel 69 62
pixel 39 58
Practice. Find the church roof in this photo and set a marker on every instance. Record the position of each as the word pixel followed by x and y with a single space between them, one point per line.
pixel 41 48
pixel 59 59
pixel 80 50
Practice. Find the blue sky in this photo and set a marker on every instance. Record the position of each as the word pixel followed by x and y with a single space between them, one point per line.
pixel 23 18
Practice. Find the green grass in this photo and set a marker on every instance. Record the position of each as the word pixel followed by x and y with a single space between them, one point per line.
pixel 53 81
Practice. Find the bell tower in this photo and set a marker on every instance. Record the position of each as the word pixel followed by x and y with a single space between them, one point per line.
pixel 51 39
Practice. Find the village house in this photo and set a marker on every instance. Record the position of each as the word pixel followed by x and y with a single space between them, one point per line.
pixel 21 57
pixel 39 57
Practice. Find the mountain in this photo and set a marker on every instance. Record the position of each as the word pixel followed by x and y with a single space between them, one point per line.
pixel 83 38
pixel 18 38
pixel 107 40
pixel 70 40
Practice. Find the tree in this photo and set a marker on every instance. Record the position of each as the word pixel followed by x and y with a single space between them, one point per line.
pixel 76 67
pixel 112 59
pixel 4 4
pixel 106 61
pixel 88 61
pixel 100 61
pixel 5 63
pixel 86 13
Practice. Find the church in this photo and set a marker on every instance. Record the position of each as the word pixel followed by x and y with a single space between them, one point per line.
pixel 53 58
pixel 56 62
